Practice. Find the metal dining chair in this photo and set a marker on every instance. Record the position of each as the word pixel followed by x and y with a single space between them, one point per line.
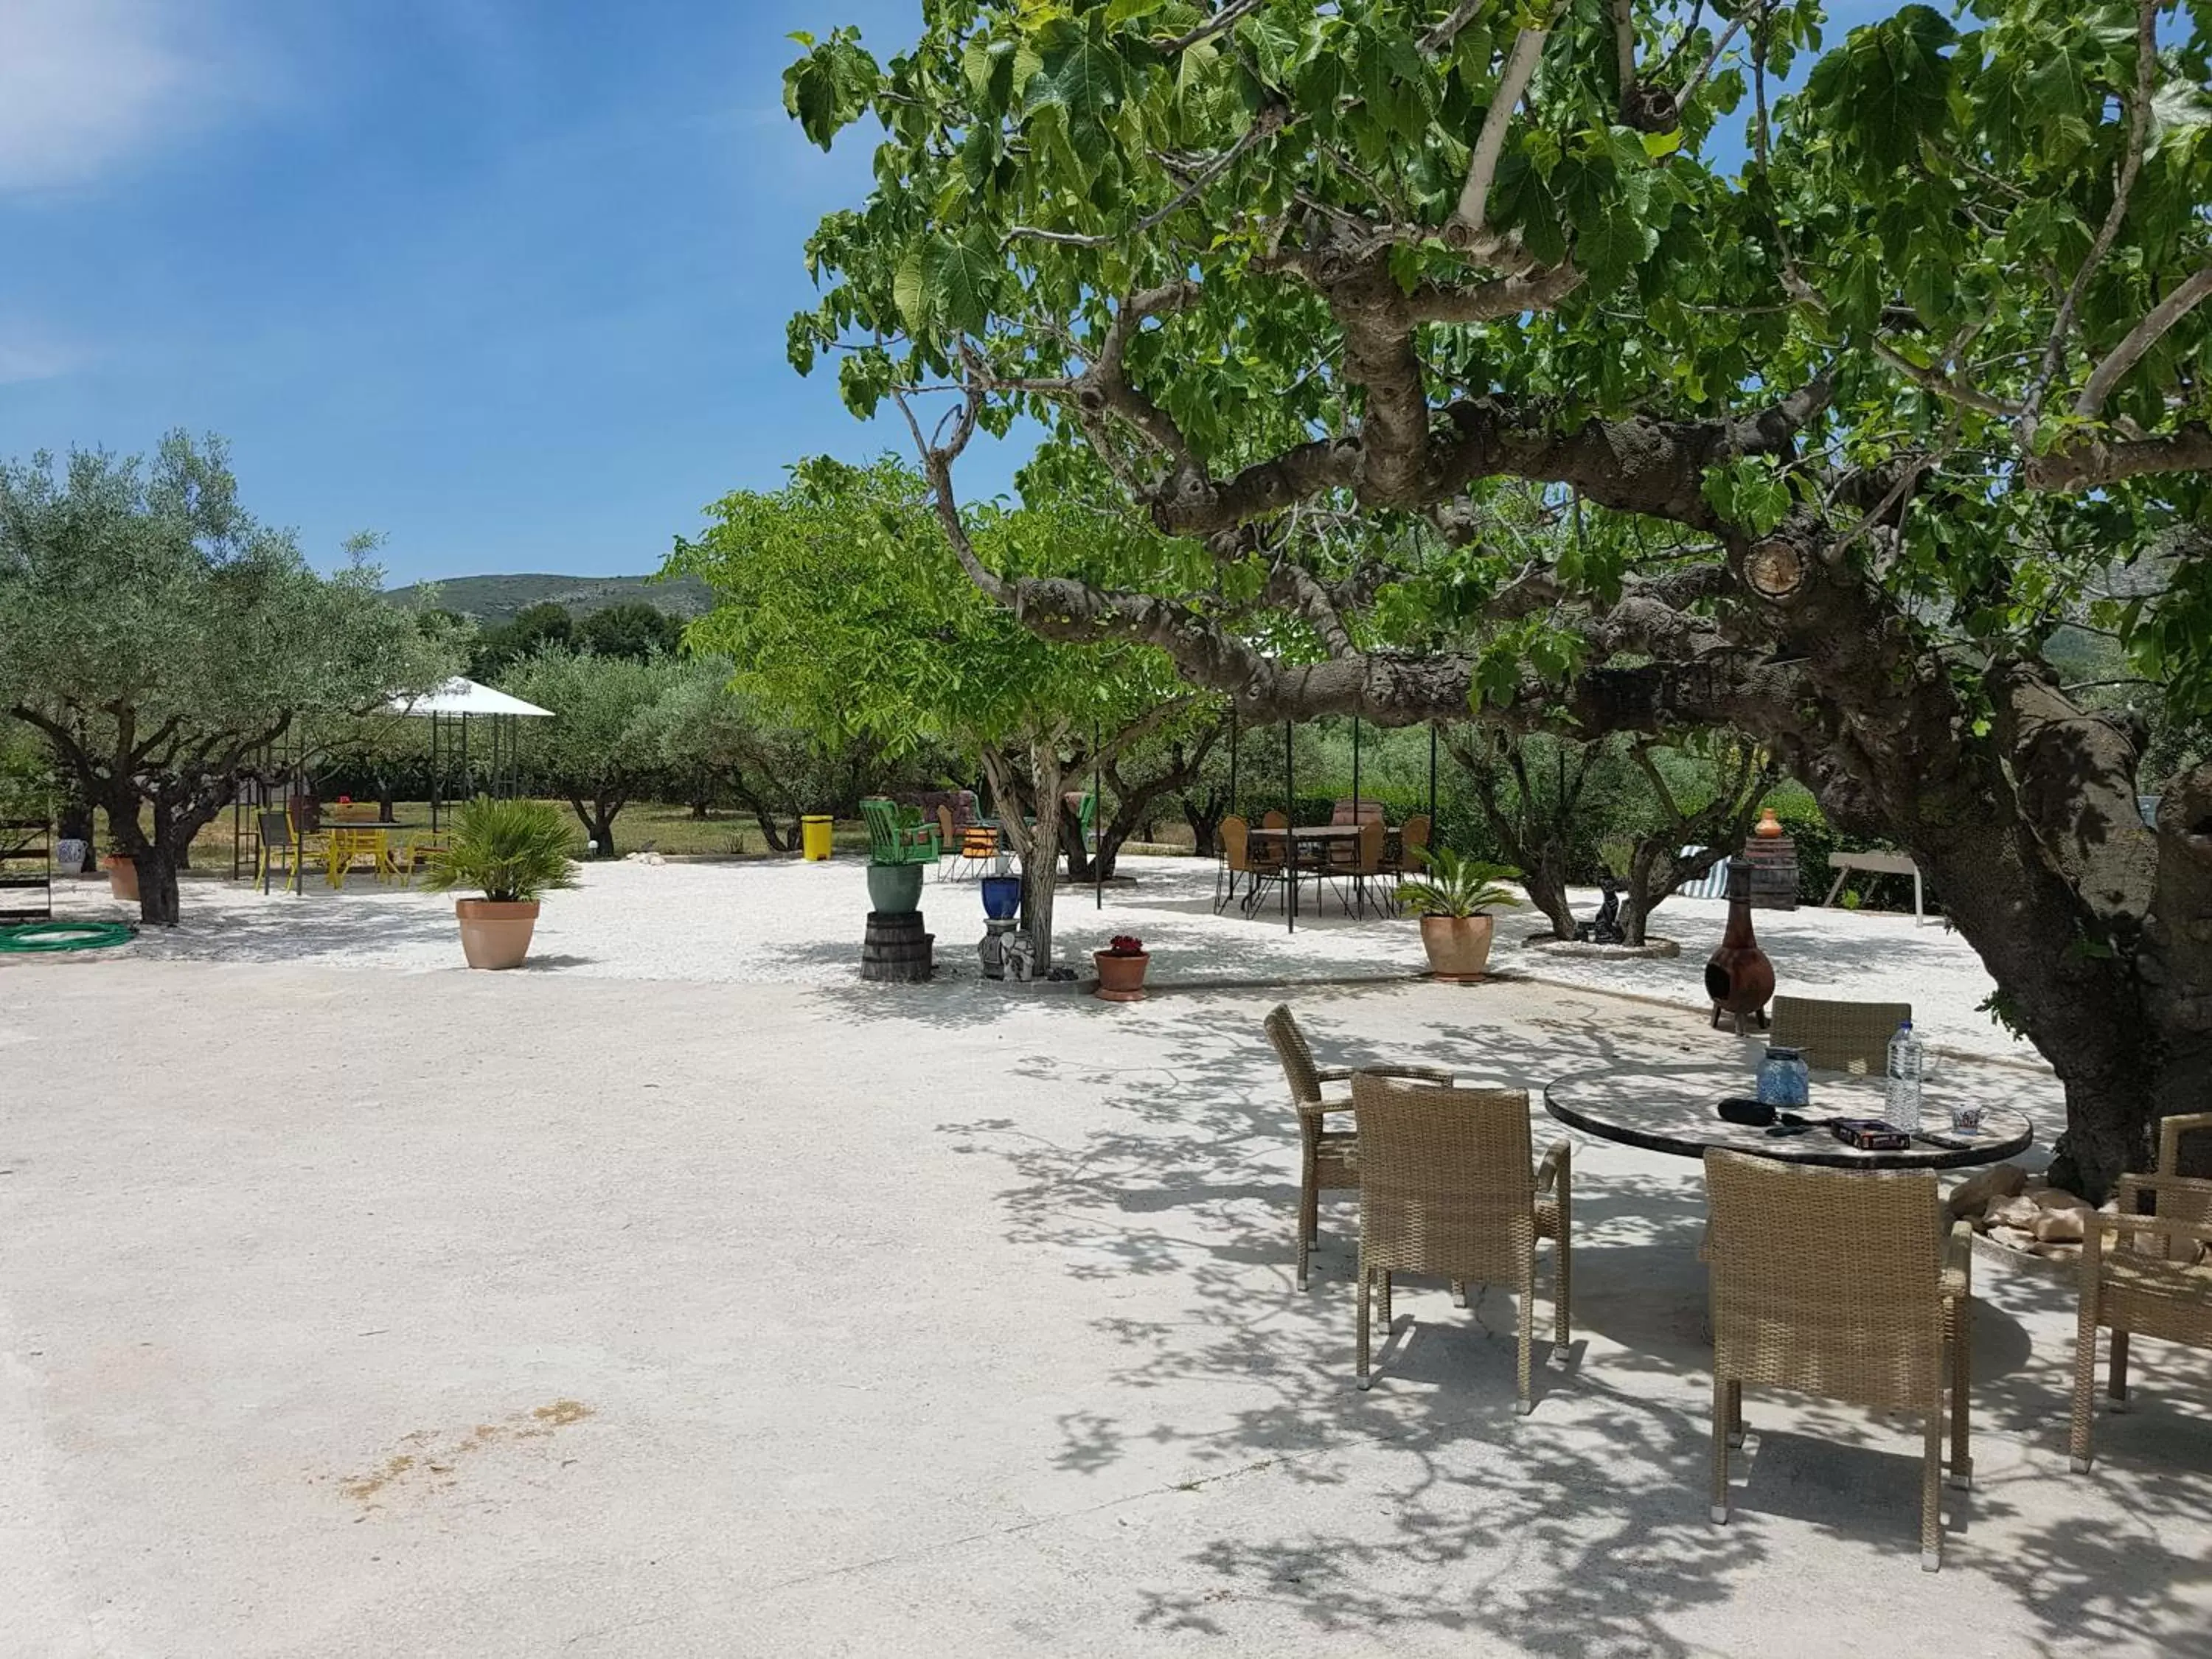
pixel 280 840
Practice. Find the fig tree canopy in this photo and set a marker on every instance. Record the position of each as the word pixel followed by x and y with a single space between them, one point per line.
pixel 1837 372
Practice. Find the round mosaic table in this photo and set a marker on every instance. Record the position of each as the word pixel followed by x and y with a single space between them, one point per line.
pixel 1671 1109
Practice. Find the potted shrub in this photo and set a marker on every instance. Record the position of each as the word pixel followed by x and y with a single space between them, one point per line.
pixel 511 851
pixel 1122 967
pixel 1455 896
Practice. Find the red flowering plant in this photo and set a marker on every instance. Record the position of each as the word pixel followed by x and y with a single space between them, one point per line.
pixel 1125 945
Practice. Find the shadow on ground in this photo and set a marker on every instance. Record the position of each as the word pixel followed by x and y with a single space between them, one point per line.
pixel 1581 1529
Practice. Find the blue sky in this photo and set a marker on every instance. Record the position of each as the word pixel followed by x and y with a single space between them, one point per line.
pixel 506 280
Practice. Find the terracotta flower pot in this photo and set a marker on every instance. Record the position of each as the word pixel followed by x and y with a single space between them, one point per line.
pixel 1121 979
pixel 123 877
pixel 495 934
pixel 1458 947
pixel 1769 827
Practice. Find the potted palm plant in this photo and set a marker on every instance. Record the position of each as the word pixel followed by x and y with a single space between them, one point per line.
pixel 513 852
pixel 1455 896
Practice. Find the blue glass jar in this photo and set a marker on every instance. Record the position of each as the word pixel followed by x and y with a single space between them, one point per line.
pixel 1783 1080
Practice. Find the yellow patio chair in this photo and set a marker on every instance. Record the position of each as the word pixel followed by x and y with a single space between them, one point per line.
pixel 281 847
pixel 413 852
pixel 348 846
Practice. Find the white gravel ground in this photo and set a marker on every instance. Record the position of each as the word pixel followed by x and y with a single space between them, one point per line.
pixel 682 1297
pixel 782 922
pixel 349 1314
pixel 1867 956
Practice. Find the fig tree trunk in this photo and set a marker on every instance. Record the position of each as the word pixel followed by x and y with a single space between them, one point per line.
pixel 1203 810
pixel 1036 843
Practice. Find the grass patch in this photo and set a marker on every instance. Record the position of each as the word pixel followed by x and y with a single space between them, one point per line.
pixel 665 827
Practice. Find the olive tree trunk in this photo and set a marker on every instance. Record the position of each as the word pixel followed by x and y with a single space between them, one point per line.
pixel 1658 867
pixel 597 817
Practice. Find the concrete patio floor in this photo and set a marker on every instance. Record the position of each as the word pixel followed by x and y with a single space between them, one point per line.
pixel 355 1312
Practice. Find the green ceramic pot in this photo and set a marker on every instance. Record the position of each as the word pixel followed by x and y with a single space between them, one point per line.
pixel 895 887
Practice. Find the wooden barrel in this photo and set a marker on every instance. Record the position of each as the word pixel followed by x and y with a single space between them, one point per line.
pixel 896 949
pixel 1773 871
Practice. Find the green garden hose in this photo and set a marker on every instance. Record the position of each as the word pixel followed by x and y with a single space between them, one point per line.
pixel 64 936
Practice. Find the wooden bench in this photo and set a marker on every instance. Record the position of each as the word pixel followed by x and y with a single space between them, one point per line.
pixel 1874 863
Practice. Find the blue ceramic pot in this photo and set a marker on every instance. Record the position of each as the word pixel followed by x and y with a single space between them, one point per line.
pixel 1002 897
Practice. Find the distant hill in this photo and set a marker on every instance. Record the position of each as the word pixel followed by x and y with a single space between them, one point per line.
pixel 492 600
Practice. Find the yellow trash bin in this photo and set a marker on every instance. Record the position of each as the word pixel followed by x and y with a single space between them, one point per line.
pixel 814 834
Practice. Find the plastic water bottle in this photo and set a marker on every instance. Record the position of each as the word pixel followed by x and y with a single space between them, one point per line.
pixel 1902 1106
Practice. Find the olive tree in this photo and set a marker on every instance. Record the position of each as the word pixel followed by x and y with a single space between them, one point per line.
pixel 1142 779
pixel 719 740
pixel 1866 387
pixel 601 749
pixel 159 637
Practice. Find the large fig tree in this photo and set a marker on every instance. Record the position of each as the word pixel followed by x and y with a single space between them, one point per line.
pixel 845 614
pixel 1870 362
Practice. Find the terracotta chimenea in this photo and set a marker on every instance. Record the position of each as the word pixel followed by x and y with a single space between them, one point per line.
pixel 1740 979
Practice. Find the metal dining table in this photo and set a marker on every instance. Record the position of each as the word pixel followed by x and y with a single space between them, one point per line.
pixel 391 833
pixel 1320 838
pixel 1671 1108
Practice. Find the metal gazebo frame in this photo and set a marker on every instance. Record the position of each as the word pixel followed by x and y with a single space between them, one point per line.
pixel 455 703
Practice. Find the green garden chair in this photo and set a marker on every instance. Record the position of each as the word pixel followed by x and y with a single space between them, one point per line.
pixel 896 833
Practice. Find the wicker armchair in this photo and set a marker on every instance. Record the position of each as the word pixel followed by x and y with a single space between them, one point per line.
pixel 2144 1275
pixel 1259 865
pixel 1328 1159
pixel 2171 1129
pixel 1447 1186
pixel 1407 850
pixel 1838 1036
pixel 1839 1284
